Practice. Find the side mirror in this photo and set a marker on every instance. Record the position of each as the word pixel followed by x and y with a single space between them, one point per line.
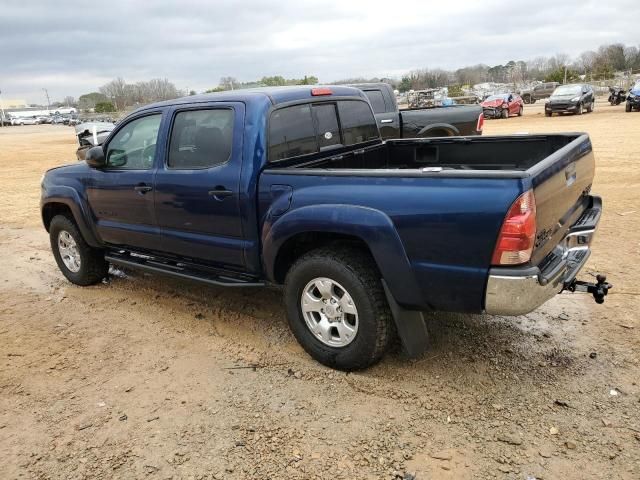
pixel 95 157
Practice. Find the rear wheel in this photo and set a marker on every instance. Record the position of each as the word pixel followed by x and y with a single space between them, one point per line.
pixel 78 262
pixel 590 107
pixel 627 107
pixel 526 99
pixel 337 308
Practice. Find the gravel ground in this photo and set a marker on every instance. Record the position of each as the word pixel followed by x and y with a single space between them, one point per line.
pixel 148 377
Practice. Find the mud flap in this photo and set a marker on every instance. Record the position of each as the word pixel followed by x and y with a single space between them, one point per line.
pixel 410 325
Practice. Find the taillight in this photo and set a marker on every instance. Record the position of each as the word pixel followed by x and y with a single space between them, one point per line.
pixel 321 91
pixel 518 232
pixel 480 123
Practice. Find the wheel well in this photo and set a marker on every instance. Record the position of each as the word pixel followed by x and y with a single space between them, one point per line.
pixel 439 132
pixel 50 210
pixel 302 243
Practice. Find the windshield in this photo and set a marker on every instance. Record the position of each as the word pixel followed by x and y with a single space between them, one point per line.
pixel 496 97
pixel 636 87
pixel 568 90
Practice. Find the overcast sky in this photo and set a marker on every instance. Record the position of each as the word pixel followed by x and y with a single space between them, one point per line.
pixel 73 47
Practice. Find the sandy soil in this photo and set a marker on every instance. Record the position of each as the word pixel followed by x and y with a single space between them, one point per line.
pixel 147 377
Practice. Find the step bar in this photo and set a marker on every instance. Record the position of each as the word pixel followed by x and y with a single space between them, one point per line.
pixel 175 269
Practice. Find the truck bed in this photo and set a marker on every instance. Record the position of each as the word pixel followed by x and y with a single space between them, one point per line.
pixel 447 155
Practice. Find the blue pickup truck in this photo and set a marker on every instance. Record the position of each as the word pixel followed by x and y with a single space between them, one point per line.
pixel 294 187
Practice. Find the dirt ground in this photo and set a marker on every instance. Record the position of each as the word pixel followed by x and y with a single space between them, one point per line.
pixel 147 377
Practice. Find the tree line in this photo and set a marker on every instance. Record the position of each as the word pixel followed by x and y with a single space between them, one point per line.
pixel 600 64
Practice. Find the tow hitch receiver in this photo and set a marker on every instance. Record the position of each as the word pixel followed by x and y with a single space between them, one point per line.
pixel 599 290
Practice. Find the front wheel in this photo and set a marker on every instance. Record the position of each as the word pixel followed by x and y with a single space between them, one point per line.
pixel 337 309
pixel 520 110
pixel 78 262
pixel 505 113
pixel 579 109
pixel 627 107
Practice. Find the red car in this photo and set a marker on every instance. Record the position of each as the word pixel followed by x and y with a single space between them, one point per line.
pixel 502 105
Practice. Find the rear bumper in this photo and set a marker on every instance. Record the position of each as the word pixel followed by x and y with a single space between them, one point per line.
pixel 517 291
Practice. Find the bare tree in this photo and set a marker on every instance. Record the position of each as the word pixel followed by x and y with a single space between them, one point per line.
pixel 116 91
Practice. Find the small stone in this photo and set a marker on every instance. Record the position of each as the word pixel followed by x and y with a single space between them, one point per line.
pixel 497 406
pixel 606 422
pixel 442 455
pixel 511 439
pixel 445 467
pixel 570 445
pixel 562 403
pixel 593 355
pixel 545 453
pixel 554 431
pixel 504 468
pixel 298 375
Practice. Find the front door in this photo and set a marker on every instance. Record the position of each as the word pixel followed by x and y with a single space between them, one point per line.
pixel 121 195
pixel 197 186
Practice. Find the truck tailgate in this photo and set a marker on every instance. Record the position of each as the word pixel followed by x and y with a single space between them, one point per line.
pixel 561 183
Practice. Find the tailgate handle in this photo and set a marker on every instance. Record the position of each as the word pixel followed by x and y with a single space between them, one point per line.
pixel 570 174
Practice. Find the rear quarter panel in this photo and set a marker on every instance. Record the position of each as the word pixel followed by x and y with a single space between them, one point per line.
pixel 417 123
pixel 447 227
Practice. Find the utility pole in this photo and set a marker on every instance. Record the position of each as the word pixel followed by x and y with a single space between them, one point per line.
pixel 565 75
pixel 46 92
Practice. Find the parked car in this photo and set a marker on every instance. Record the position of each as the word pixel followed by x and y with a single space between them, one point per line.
pixel 502 105
pixel 57 119
pixel 294 187
pixel 539 92
pixel 43 119
pixel 443 121
pixel 90 134
pixel 633 99
pixel 571 98
pixel 24 121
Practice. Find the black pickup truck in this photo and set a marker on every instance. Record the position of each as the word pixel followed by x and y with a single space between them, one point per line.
pixel 449 121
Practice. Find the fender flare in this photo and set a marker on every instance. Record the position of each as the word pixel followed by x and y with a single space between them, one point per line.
pixel 69 196
pixel 371 226
pixel 438 126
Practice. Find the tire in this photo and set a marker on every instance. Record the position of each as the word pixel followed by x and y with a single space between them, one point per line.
pixel 590 107
pixel 627 107
pixel 579 110
pixel 90 262
pixel 354 272
pixel 526 99
pixel 533 100
pixel 520 110
pixel 548 114
pixel 504 113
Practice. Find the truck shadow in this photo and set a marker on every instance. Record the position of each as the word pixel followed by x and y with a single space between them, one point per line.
pixel 461 343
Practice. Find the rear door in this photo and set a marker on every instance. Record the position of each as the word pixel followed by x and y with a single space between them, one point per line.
pixel 385 112
pixel 197 185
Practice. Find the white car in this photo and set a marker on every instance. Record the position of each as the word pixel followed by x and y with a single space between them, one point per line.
pixel 24 121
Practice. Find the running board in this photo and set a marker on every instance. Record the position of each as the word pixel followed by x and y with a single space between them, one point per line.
pixel 153 265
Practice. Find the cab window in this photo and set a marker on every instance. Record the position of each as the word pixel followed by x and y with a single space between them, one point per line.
pixel 200 139
pixel 134 146
pixel 377 100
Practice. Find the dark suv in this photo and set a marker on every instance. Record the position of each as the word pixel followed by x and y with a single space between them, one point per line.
pixel 571 98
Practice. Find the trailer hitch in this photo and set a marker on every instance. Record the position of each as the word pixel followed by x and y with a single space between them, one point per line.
pixel 599 290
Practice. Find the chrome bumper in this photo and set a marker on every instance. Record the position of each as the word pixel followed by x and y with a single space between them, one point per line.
pixel 517 292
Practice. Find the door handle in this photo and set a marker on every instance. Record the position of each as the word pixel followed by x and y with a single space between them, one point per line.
pixel 220 192
pixel 142 189
pixel 387 120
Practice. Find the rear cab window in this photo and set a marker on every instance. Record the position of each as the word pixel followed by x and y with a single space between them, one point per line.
pixel 377 100
pixel 312 128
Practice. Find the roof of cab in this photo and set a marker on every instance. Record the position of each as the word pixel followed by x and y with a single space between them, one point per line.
pixel 275 95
